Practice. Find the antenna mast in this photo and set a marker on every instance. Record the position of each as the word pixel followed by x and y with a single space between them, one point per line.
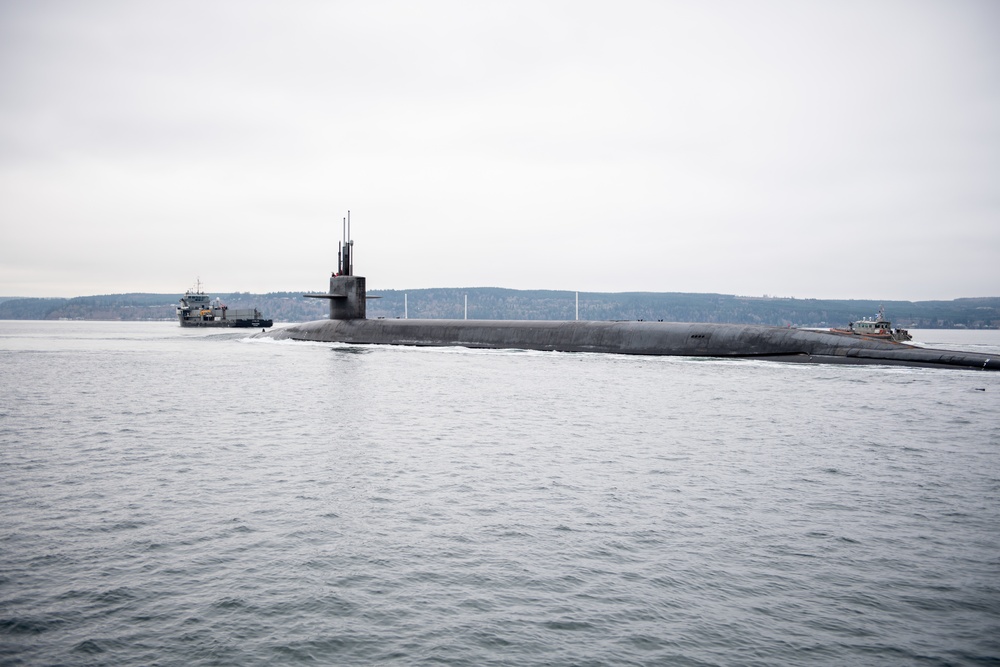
pixel 345 264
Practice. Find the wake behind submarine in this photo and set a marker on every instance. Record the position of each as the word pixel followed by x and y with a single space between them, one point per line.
pixel 347 324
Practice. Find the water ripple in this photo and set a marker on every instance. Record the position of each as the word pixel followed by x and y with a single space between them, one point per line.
pixel 484 508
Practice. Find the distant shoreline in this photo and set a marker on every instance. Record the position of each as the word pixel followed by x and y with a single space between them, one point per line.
pixel 492 303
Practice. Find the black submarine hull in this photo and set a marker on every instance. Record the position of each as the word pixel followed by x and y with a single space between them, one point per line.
pixel 644 338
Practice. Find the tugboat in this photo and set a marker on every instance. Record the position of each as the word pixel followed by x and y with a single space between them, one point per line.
pixel 878 328
pixel 196 309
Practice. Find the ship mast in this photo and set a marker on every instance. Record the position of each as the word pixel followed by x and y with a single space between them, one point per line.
pixel 345 263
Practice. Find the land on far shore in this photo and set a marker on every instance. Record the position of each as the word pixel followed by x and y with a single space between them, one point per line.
pixel 494 303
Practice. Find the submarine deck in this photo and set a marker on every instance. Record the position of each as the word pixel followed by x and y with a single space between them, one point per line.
pixel 642 338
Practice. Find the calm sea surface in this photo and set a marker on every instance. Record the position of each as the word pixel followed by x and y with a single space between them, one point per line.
pixel 179 497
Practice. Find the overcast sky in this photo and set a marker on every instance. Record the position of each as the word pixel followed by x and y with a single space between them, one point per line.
pixel 841 149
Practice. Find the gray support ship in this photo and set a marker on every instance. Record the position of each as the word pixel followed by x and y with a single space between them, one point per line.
pixel 196 309
pixel 347 324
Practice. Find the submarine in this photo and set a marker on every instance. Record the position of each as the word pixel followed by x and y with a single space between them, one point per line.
pixel 347 323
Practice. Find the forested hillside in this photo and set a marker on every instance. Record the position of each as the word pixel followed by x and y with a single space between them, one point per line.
pixel 506 304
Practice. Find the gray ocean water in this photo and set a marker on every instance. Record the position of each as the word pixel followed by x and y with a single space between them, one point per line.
pixel 177 497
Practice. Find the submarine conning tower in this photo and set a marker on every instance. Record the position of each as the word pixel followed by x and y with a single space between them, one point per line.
pixel 347 293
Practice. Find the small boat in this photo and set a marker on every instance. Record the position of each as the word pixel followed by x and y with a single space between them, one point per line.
pixel 878 328
pixel 196 309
